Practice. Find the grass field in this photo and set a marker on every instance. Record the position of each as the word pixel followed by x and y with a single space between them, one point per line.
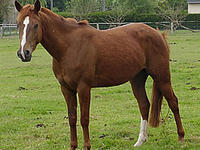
pixel 33 113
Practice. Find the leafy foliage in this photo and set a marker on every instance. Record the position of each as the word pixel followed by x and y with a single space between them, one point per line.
pixel 23 2
pixel 59 5
pixel 4 5
pixel 142 6
pixel 119 7
pixel 173 11
pixel 81 8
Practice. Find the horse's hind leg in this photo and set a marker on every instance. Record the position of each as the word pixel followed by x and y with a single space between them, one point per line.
pixel 138 87
pixel 167 91
pixel 161 77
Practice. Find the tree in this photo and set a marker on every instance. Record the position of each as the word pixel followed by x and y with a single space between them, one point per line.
pixel 103 4
pixel 173 11
pixel 60 5
pixel 82 8
pixel 118 14
pixel 140 6
pixel 23 2
pixel 4 9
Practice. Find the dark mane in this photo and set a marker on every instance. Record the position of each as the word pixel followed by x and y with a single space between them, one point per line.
pixel 68 20
pixel 83 22
pixel 28 10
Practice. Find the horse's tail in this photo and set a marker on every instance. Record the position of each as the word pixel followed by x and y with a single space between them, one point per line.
pixel 164 36
pixel 156 103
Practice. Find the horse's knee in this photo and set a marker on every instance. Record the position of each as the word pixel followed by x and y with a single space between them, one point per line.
pixel 84 121
pixel 173 104
pixel 146 106
pixel 72 121
pixel 144 109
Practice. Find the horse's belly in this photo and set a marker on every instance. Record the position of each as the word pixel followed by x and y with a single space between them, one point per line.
pixel 116 73
pixel 118 61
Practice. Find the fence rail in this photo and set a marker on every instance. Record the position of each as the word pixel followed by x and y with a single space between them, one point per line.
pixel 8 30
pixel 11 29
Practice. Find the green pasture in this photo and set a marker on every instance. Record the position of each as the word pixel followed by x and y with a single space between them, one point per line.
pixel 33 113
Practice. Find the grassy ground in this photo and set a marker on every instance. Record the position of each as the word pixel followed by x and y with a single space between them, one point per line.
pixel 33 113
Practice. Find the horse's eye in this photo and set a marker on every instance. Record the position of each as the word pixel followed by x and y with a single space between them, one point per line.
pixel 35 26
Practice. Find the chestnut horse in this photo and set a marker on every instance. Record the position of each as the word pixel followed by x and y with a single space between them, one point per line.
pixel 85 58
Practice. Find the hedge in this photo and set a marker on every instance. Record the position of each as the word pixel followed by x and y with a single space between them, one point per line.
pixel 130 17
pixel 104 16
pixel 193 17
pixel 99 17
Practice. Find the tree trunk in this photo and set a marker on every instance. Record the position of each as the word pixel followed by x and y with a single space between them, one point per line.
pixel 103 5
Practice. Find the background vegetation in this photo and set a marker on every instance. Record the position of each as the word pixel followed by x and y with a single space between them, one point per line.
pixel 118 11
pixel 113 10
pixel 4 9
pixel 33 113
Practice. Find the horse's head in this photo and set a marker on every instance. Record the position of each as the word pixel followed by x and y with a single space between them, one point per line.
pixel 30 29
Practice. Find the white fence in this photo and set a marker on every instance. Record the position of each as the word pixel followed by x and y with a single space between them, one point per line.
pixel 8 29
pixel 194 25
pixel 11 29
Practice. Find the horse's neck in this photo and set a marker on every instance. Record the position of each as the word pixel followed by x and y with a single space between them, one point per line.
pixel 53 29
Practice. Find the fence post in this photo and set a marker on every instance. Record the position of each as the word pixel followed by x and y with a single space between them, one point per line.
pixel 97 26
pixel 16 29
pixel 10 31
pixel 1 31
pixel 172 27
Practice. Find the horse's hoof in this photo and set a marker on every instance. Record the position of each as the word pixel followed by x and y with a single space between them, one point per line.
pixel 87 148
pixel 181 139
pixel 73 147
pixel 140 141
pixel 138 144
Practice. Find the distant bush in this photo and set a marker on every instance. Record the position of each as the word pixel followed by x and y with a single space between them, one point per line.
pixel 147 17
pixel 99 17
pixel 65 14
pixel 129 17
pixel 193 17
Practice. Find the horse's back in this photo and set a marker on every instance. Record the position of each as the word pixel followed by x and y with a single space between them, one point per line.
pixel 125 51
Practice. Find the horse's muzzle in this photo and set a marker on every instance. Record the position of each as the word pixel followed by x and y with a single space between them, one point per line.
pixel 27 55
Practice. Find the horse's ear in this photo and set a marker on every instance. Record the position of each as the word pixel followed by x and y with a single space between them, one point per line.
pixel 37 6
pixel 18 6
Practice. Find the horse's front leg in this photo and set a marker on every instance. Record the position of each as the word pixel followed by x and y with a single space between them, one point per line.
pixel 84 98
pixel 70 97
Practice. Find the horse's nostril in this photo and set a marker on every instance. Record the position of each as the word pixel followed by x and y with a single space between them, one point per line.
pixel 19 54
pixel 26 52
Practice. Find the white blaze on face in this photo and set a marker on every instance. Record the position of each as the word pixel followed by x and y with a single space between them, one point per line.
pixel 23 42
pixel 143 133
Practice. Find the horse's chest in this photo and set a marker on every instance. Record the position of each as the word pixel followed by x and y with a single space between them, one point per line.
pixel 66 77
pixel 68 80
